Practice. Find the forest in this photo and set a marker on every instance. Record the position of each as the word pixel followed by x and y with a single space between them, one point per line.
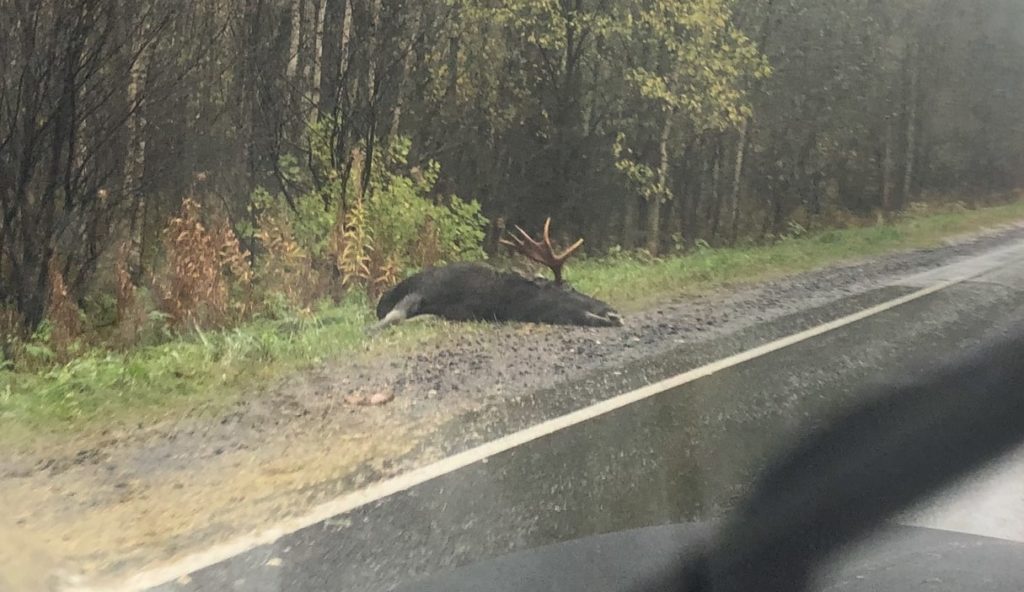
pixel 202 163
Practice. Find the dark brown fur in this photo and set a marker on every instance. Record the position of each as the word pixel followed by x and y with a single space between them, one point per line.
pixel 475 292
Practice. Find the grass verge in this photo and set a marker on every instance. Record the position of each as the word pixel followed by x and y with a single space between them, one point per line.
pixel 208 371
pixel 633 284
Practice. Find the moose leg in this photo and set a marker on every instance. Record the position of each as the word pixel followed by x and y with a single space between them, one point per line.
pixel 405 308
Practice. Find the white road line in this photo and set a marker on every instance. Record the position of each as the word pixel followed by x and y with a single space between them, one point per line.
pixel 350 501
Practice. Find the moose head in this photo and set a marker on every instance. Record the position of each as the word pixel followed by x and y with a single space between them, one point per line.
pixel 476 292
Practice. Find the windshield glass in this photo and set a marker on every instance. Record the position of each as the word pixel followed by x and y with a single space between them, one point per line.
pixel 346 294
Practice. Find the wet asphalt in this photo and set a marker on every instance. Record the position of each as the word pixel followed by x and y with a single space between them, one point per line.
pixel 684 455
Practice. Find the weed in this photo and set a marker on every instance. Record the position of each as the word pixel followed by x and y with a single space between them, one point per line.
pixel 62 314
pixel 355 249
pixel 195 285
pixel 129 308
pixel 285 268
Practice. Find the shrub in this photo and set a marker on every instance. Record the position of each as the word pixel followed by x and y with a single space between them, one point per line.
pixel 130 309
pixel 367 239
pixel 286 267
pixel 202 267
pixel 12 334
pixel 62 314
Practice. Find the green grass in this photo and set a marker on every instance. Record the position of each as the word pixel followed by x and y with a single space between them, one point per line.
pixel 206 372
pixel 633 284
pixel 201 374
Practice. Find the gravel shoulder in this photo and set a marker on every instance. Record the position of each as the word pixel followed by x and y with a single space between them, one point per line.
pixel 98 506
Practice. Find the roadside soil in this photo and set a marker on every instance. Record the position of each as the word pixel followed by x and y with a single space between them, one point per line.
pixel 98 506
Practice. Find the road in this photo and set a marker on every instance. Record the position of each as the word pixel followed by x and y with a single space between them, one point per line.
pixel 659 456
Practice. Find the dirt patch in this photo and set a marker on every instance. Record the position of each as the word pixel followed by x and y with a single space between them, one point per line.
pixel 96 507
pixel 110 513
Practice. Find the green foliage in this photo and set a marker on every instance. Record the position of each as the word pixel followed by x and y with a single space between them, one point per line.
pixel 400 206
pixel 639 177
pixel 794 230
pixel 370 236
pixel 697 73
pixel 546 24
pixel 702 62
pixel 462 229
pixel 310 221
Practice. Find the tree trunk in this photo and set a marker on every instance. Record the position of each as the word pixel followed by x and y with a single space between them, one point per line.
pixel 453 69
pixel 316 57
pixel 716 196
pixel 911 131
pixel 654 205
pixel 399 97
pixel 887 167
pixel 295 39
pixel 135 164
pixel 737 181
pixel 332 52
pixel 366 26
pixel 694 195
pixel 310 22
pixel 630 221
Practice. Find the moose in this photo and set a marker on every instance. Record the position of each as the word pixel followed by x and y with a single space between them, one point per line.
pixel 477 292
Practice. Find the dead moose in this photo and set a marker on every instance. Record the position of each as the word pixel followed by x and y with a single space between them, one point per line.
pixel 476 292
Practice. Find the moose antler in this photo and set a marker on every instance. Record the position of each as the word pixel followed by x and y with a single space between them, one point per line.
pixel 541 251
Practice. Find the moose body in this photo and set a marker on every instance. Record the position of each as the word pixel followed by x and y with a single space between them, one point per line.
pixel 475 292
